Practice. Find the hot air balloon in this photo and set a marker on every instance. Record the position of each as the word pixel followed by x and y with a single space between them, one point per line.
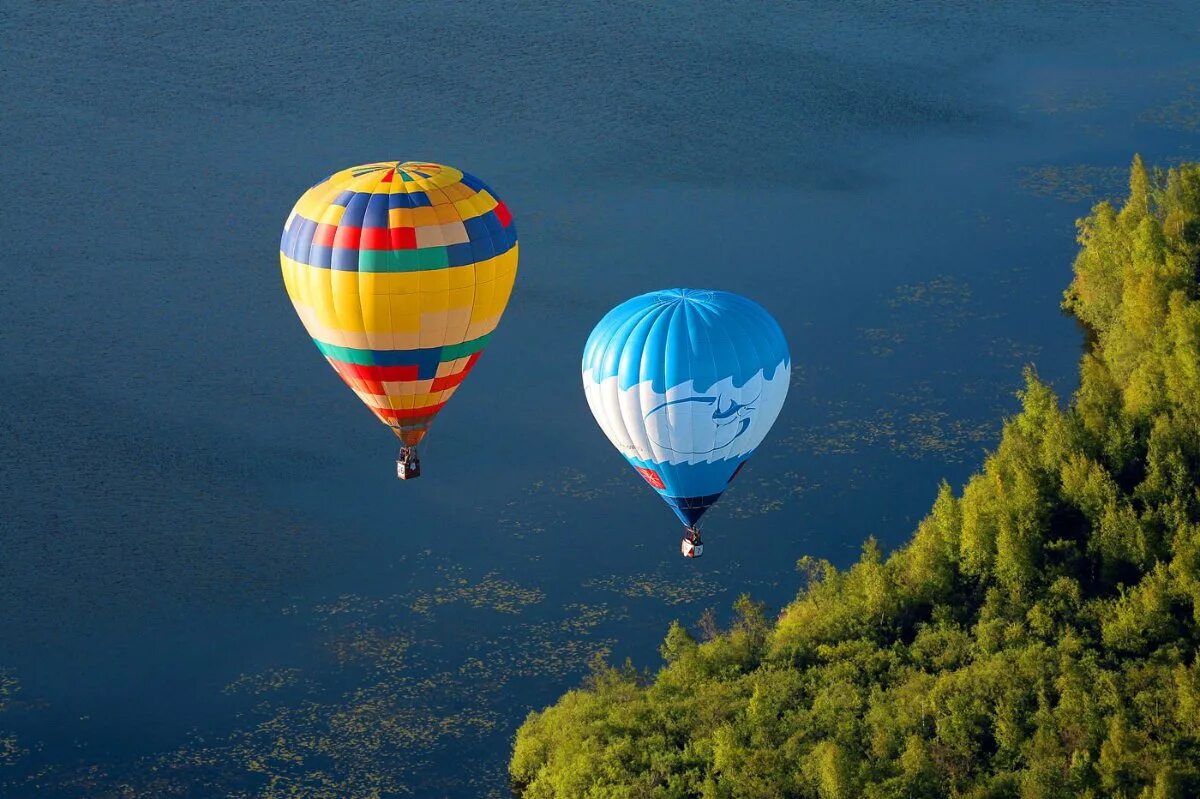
pixel 686 383
pixel 400 272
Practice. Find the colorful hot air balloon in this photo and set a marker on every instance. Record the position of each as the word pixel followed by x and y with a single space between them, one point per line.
pixel 400 272
pixel 686 383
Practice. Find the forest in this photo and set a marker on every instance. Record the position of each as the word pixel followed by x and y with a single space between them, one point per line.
pixel 1036 637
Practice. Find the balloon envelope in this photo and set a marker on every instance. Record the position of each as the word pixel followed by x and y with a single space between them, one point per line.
pixel 400 272
pixel 686 383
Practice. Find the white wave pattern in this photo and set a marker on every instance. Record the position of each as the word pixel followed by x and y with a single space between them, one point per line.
pixel 685 425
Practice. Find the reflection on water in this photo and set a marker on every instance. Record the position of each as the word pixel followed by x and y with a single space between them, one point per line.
pixel 210 582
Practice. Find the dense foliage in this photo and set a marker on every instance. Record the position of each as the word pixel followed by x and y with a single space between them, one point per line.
pixel 1037 636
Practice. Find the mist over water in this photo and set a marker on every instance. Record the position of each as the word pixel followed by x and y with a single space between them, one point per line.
pixel 211 582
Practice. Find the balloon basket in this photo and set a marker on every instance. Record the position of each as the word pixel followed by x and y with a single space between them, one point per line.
pixel 408 465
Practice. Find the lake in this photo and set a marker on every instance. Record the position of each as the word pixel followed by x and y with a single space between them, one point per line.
pixel 211 583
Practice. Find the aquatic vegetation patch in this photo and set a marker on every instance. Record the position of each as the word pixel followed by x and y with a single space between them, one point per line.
pixel 882 342
pixel 1181 114
pixel 264 682
pixel 915 426
pixel 583 617
pixel 753 496
pixel 10 749
pixel 1075 183
pixel 1061 101
pixel 382 650
pixel 492 592
pixel 945 292
pixel 519 525
pixel 668 590
pixel 542 651
pixel 367 742
pixel 575 484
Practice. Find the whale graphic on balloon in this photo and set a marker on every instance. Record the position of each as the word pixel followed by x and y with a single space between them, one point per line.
pixel 729 423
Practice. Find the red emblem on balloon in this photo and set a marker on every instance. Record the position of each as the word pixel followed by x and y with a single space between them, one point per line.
pixel 651 477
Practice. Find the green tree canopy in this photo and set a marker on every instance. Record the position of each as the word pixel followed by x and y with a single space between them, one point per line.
pixel 1037 637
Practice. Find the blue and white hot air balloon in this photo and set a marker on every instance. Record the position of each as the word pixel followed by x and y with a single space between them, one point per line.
pixel 686 383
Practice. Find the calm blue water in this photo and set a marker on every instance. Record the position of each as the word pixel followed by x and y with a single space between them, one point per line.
pixel 211 583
